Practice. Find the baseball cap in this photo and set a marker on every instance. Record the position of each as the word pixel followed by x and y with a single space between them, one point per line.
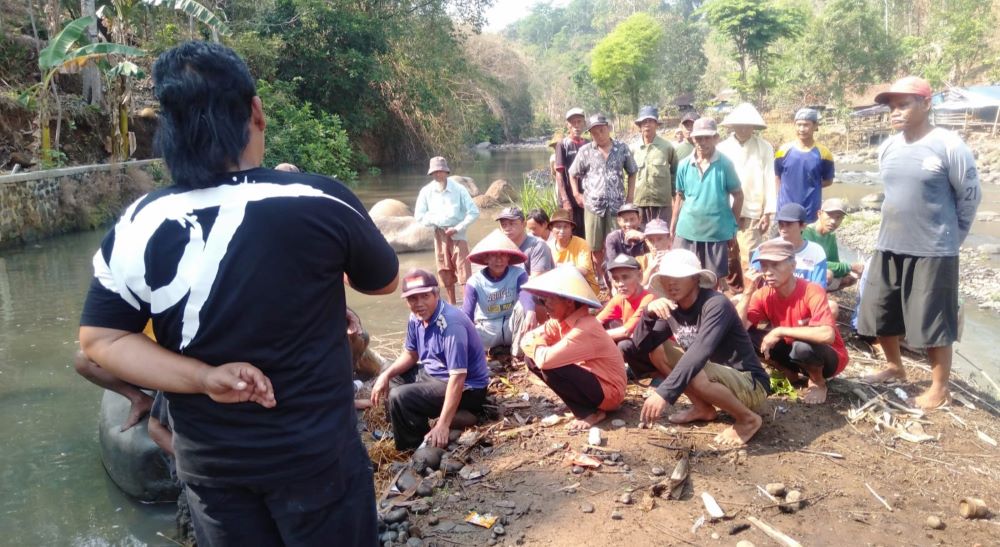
pixel 791 212
pixel 807 114
pixel 647 113
pixel 575 112
pixel 628 208
pixel 910 85
pixel 705 127
pixel 510 213
pixel 624 261
pixel 775 250
pixel 418 281
pixel 834 204
pixel 597 119
pixel 690 116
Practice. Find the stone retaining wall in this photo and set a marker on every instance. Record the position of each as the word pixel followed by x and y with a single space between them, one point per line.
pixel 42 204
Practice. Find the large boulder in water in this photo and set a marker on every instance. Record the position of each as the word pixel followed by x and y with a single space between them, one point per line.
pixel 500 194
pixel 395 220
pixel 469 183
pixel 405 234
pixel 390 208
pixel 132 459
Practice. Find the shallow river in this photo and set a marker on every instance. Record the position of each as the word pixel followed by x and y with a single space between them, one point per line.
pixel 55 491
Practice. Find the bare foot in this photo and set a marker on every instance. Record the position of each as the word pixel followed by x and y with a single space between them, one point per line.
pixel 740 433
pixel 693 414
pixel 139 409
pixel 932 399
pixel 814 395
pixel 588 422
pixel 884 376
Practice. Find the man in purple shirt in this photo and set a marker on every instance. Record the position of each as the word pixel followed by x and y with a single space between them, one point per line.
pixel 452 375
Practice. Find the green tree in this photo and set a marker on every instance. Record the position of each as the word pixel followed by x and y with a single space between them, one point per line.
pixel 753 26
pixel 957 42
pixel 843 51
pixel 308 138
pixel 624 63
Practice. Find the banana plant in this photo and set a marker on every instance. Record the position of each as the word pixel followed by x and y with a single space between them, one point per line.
pixel 120 76
pixel 65 54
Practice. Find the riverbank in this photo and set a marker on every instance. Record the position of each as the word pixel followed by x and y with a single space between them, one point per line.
pixel 878 475
pixel 979 279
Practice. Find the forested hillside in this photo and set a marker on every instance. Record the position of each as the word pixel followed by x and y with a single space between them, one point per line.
pixel 350 84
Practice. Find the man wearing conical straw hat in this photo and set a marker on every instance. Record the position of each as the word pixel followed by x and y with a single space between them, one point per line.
pixel 571 352
pixel 492 293
pixel 753 158
pixel 719 368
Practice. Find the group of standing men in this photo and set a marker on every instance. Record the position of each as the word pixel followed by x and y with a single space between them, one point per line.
pixel 242 271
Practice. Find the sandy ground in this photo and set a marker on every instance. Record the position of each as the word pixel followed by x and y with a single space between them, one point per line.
pixel 540 501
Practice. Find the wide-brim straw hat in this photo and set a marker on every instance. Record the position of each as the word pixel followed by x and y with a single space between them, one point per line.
pixel 745 114
pixel 566 281
pixel 496 242
pixel 680 263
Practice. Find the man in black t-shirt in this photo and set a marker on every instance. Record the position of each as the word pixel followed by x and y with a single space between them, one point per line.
pixel 719 367
pixel 242 270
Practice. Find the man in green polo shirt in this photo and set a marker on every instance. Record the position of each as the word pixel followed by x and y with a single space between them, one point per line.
pixel 703 219
pixel 838 274
pixel 657 161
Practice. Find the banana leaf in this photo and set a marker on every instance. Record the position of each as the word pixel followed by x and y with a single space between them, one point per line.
pixel 195 10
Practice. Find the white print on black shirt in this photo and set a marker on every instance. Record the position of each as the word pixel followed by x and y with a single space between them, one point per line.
pixel 125 273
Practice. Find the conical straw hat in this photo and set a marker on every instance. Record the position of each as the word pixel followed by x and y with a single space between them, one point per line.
pixel 496 242
pixel 745 114
pixel 565 281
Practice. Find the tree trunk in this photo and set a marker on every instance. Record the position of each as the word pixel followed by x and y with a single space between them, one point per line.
pixel 93 92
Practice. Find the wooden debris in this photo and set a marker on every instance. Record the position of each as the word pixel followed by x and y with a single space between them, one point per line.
pixel 878 497
pixel 833 455
pixel 712 506
pixel 774 533
pixel 985 438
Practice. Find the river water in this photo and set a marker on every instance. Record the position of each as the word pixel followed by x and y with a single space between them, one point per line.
pixel 55 490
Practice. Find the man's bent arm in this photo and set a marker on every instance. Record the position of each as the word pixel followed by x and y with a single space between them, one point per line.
pixel 388 289
pixel 817 334
pixel 133 357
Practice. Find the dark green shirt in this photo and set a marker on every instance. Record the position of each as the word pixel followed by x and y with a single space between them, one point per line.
pixel 829 244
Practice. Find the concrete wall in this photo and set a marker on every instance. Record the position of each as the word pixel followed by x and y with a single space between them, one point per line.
pixel 41 204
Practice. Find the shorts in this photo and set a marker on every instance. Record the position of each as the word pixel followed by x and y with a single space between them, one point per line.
pixel 714 255
pixel 452 259
pixel 597 227
pixel 912 296
pixel 740 383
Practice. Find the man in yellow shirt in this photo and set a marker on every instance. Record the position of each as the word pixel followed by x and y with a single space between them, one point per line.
pixel 568 248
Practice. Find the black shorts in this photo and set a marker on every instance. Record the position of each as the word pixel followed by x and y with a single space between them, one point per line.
pixel 714 255
pixel 912 296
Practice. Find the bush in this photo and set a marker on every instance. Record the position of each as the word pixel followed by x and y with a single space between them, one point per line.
pixel 307 137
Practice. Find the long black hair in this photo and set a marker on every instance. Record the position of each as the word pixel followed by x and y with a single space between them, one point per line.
pixel 205 92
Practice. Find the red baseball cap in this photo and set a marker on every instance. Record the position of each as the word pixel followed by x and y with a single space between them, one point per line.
pixel 910 85
pixel 418 281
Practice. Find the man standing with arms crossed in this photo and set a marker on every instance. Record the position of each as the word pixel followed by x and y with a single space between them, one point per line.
pixel 598 180
pixel 931 196
pixel 566 151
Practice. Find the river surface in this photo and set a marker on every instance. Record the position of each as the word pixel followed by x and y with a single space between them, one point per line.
pixel 54 488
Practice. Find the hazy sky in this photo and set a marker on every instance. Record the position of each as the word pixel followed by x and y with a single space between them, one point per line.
pixel 505 12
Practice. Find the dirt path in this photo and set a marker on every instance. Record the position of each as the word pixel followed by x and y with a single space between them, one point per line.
pixel 540 501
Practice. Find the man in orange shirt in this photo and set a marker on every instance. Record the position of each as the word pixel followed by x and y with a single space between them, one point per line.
pixel 571 352
pixel 621 314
